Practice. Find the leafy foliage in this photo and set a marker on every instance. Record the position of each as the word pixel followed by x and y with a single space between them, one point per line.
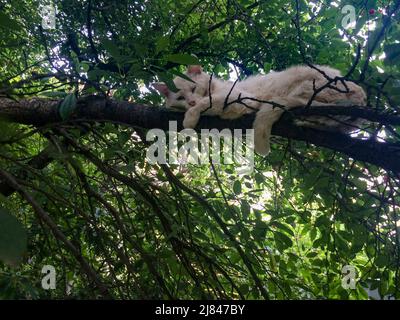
pixel 12 239
pixel 191 231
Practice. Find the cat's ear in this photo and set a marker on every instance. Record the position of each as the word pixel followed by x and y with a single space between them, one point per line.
pixel 161 87
pixel 194 69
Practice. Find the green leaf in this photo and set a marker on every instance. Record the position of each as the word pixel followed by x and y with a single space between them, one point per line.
pixel 67 106
pixel 383 288
pixel 85 66
pixel 13 239
pixel 167 79
pixel 182 58
pixel 96 74
pixel 322 221
pixel 245 208
pixel 313 234
pixel 283 227
pixel 267 67
pixel 182 75
pixel 111 48
pixel 7 23
pixel 392 52
pixel 54 94
pixel 362 292
pixel 311 254
pixel 382 261
pixel 260 230
pixel 237 187
pixel 259 178
pixel 283 240
pixel 161 44
pixel 244 288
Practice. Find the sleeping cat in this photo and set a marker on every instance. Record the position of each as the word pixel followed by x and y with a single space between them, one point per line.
pixel 290 88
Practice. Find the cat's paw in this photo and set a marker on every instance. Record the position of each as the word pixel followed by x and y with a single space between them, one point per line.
pixel 191 119
pixel 262 147
pixel 262 142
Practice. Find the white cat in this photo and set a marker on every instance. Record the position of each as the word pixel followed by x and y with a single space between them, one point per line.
pixel 290 88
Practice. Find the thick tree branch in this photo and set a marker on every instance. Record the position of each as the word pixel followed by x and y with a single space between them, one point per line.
pixel 43 112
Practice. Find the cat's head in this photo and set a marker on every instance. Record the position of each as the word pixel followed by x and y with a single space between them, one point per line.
pixel 189 93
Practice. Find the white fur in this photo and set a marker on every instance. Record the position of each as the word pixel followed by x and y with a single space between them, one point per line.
pixel 289 88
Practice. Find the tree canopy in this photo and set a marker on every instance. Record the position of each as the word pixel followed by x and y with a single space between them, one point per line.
pixel 77 192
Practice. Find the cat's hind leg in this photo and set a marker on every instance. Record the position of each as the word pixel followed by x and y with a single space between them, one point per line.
pixel 265 118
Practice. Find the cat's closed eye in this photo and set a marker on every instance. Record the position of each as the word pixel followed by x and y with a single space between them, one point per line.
pixel 193 89
pixel 181 98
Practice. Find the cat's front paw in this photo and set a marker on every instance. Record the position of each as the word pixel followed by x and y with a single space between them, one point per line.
pixel 191 119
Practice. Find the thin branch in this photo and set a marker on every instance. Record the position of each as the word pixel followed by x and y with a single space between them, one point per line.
pixel 44 216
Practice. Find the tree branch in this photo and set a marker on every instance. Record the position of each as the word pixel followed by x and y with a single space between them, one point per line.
pixel 382 154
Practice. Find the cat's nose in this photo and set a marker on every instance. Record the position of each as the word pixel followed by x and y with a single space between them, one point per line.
pixel 192 103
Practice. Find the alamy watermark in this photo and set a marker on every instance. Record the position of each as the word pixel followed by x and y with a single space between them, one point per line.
pixel 187 147
pixel 349 275
pixel 49 280
pixel 48 14
pixel 349 19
